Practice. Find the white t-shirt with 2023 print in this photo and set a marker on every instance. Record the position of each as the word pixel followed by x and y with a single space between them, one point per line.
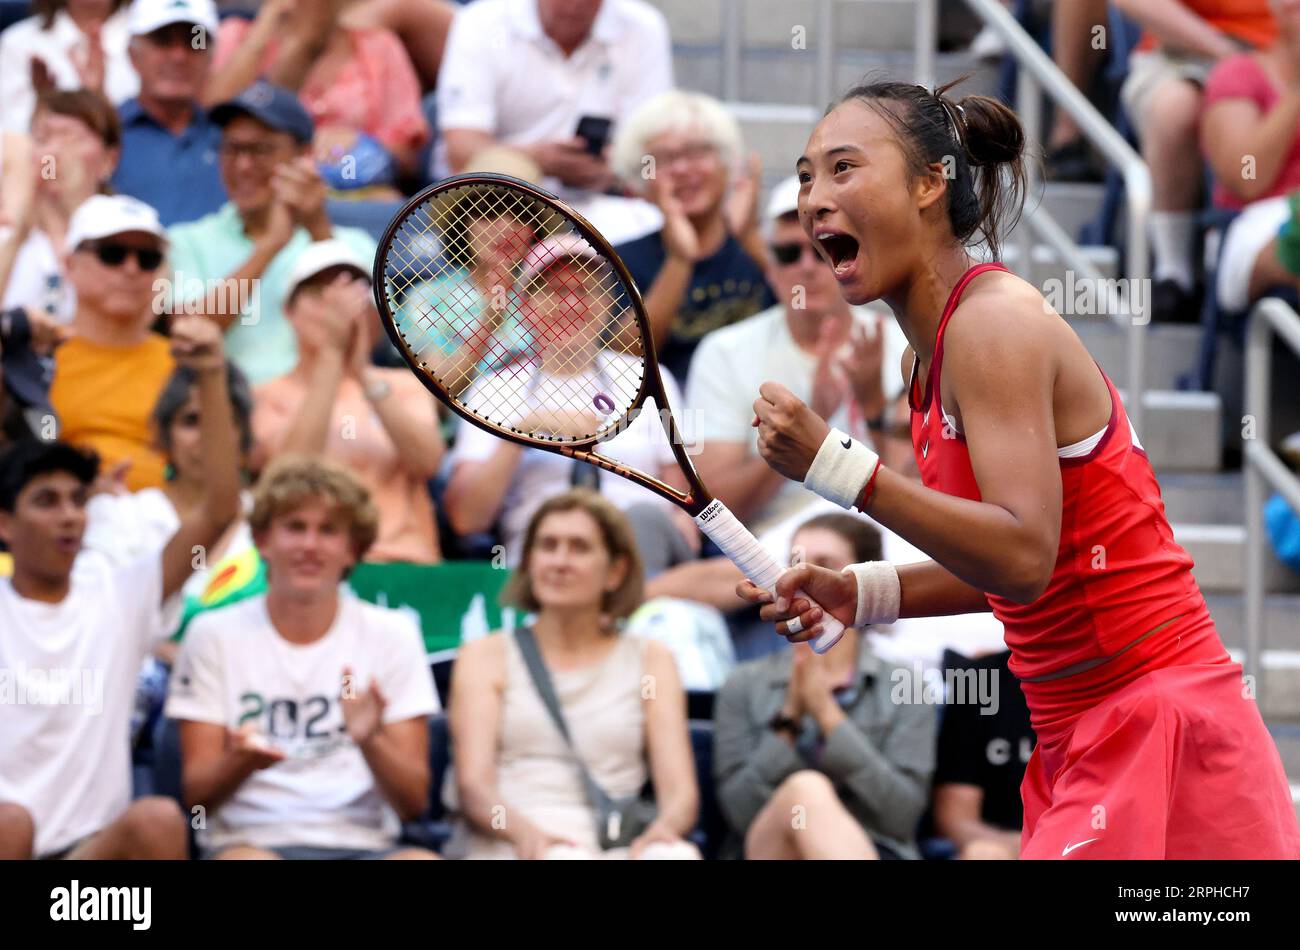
pixel 235 668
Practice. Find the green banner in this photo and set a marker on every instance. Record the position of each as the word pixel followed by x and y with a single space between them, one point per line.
pixel 452 601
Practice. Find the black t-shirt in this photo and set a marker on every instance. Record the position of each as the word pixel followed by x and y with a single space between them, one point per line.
pixel 989 751
pixel 724 288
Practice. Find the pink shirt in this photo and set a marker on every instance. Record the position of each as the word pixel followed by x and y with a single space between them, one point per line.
pixel 1243 77
pixel 376 92
pixel 358 439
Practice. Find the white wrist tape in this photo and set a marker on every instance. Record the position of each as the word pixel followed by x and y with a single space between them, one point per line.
pixel 841 469
pixel 879 592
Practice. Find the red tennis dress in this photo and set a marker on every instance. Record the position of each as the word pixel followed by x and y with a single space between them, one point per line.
pixel 1160 751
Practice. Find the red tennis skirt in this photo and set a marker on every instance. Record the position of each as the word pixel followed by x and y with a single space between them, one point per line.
pixel 1176 763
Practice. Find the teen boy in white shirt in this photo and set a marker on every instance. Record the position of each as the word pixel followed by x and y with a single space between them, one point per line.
pixel 71 641
pixel 304 712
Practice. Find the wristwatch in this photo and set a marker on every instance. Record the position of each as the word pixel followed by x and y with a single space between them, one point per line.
pixel 377 389
pixel 783 723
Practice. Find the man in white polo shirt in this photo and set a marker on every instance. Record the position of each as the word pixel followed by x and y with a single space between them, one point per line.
pixel 524 73
pixel 843 361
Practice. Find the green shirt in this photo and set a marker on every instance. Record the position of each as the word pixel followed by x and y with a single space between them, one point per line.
pixel 260 341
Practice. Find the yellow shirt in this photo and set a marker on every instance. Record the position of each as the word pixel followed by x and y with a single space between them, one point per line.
pixel 105 395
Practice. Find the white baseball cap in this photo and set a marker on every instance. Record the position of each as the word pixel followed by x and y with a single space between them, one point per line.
pixel 545 253
pixel 320 256
pixel 783 200
pixel 101 216
pixel 145 16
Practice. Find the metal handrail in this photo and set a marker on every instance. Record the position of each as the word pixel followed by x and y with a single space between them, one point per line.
pixel 1038 74
pixel 1271 317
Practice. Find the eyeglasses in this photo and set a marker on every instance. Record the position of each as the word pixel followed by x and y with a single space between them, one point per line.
pixel 692 154
pixel 114 255
pixel 790 253
pixel 260 152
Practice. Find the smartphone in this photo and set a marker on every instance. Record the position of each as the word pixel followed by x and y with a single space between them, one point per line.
pixel 595 129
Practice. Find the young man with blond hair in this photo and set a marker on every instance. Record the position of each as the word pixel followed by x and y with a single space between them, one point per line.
pixel 304 711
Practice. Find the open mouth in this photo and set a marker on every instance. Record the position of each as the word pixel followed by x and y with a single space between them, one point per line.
pixel 839 249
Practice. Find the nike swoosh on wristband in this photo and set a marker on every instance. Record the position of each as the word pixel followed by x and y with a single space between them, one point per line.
pixel 1070 847
pixel 847 443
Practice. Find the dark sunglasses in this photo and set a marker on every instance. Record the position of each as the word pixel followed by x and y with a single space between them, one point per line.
pixel 788 254
pixel 114 255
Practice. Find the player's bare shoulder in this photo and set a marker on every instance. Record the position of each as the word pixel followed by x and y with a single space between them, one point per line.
pixel 997 310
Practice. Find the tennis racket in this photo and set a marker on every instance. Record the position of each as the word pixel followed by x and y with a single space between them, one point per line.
pixel 518 315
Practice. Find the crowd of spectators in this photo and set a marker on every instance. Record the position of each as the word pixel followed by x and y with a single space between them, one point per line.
pixel 194 373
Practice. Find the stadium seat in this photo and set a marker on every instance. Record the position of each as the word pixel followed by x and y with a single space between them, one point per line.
pixel 371 216
pixel 711 828
pixel 432 829
pixel 11 11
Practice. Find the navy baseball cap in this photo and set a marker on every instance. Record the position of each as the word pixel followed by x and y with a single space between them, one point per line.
pixel 273 106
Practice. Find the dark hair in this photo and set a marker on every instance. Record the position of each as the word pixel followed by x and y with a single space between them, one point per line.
pixel 87 106
pixel 29 458
pixel 48 9
pixel 177 391
pixel 862 536
pixel 984 138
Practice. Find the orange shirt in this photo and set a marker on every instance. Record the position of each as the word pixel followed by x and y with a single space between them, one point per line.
pixel 1249 20
pixel 104 397
pixel 357 439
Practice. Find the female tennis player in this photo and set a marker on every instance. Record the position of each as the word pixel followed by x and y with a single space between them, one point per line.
pixel 1037 501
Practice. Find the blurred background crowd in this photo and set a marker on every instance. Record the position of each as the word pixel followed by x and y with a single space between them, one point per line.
pixel 162 160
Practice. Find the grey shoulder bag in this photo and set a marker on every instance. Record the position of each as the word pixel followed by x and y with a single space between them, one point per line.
pixel 618 820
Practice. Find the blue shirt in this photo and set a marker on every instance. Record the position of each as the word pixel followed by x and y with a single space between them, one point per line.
pixel 176 174
pixel 260 341
pixel 724 288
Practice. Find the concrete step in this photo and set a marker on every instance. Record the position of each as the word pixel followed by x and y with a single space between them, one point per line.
pixel 1287 736
pixel 789 77
pixel 1050 274
pixel 852 66
pixel 778 141
pixel 870 24
pixel 1177 432
pixel 1281 620
pixel 1203 497
pixel 1171 349
pixel 1279 690
pixel 1219 551
pixel 1072 204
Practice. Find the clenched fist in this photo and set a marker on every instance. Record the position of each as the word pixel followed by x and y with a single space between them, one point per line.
pixel 789 433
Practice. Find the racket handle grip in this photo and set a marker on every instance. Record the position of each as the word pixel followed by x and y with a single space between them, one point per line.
pixel 739 544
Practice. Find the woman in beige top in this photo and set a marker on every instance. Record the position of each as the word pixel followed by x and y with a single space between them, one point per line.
pixel 519 790
pixel 380 423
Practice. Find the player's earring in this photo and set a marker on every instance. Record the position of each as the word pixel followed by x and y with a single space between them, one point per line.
pixel 169 472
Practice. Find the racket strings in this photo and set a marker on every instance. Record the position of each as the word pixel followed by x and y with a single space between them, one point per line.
pixel 547 349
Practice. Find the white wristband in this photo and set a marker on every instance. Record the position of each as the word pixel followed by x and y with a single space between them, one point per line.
pixel 879 593
pixel 841 469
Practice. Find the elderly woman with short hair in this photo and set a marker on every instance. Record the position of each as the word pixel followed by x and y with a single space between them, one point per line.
pixel 704 268
pixel 521 791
